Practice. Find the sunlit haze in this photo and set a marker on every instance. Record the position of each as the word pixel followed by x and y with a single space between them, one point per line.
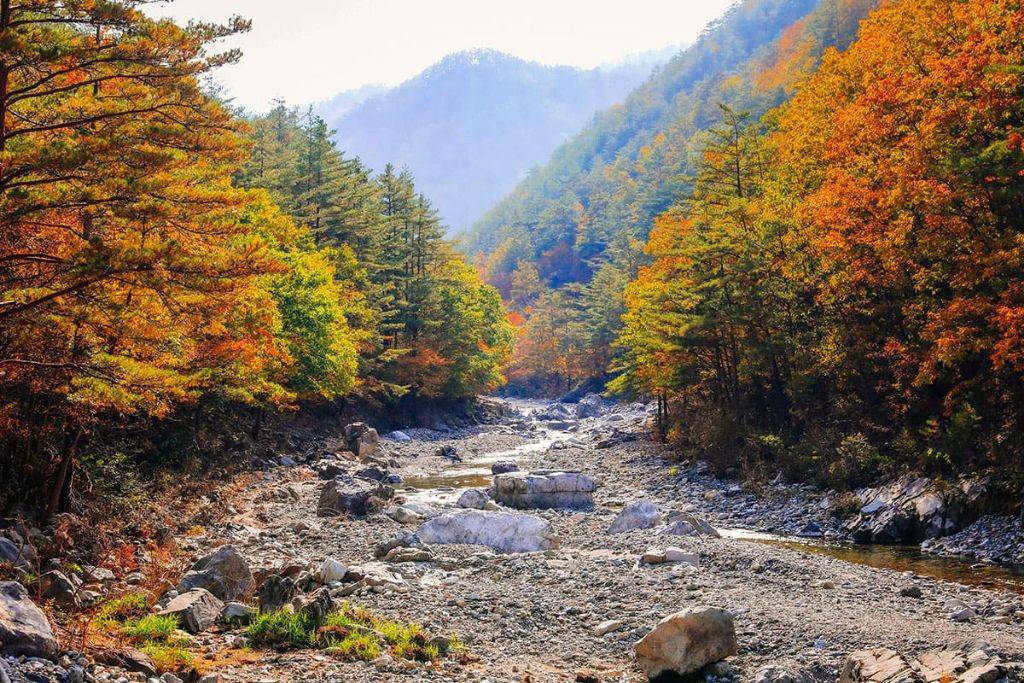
pixel 309 50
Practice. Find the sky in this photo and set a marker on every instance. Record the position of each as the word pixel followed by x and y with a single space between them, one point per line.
pixel 309 50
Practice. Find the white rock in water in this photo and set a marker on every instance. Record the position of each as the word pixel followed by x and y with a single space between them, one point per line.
pixel 687 641
pixel 509 532
pixel 641 514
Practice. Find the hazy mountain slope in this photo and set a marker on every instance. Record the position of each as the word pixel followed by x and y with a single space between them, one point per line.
pixel 631 162
pixel 472 125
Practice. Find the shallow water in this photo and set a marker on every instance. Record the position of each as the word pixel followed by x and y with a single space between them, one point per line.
pixel 898 558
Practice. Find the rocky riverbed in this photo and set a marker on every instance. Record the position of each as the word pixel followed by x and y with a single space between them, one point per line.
pixel 575 609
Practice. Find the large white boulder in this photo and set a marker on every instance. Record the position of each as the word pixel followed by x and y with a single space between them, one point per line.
pixel 544 489
pixel 510 532
pixel 687 641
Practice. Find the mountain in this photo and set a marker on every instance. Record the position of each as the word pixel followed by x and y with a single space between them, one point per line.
pixel 634 160
pixel 342 103
pixel 470 127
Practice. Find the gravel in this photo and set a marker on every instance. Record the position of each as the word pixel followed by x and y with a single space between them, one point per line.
pixel 538 616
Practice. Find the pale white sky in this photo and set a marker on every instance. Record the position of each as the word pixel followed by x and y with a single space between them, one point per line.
pixel 309 50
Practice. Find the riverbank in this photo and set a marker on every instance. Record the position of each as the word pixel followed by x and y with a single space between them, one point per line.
pixel 574 611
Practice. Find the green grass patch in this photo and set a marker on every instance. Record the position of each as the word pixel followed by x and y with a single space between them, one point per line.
pixel 118 610
pixel 349 632
pixel 151 628
pixel 168 657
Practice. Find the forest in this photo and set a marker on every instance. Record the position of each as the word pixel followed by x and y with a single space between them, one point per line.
pixel 813 258
pixel 165 257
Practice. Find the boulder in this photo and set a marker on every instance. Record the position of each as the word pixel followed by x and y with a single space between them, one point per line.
pixel 11 553
pixel 687 641
pixel 403 515
pixel 196 610
pixel 362 440
pixel 504 466
pixel 346 495
pixel 236 613
pixel 225 573
pixel 127 658
pixel 685 524
pixel 669 556
pixel 398 436
pixel 58 587
pixel 912 509
pixel 24 629
pixel 275 592
pixel 509 532
pixel 474 499
pixel 591 405
pixel 316 606
pixel 641 514
pixel 544 489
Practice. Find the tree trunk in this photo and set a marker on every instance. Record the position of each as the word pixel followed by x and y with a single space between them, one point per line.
pixel 58 493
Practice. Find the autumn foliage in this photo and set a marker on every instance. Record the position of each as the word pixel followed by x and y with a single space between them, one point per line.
pixel 858 275
pixel 146 266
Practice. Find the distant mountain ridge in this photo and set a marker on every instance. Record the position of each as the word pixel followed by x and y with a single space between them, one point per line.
pixel 471 126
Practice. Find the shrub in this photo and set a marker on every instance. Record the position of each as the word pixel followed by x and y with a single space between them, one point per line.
pixel 151 628
pixel 122 608
pixel 168 657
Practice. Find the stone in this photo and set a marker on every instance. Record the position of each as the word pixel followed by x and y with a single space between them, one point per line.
pixel 544 489
pixel 127 658
pixel 58 587
pixel 591 405
pixel 346 495
pixel 963 614
pixel 398 435
pixel 403 514
pixel 362 440
pixel 448 452
pixel 328 469
pixel 225 573
pixel 330 570
pixel 403 554
pixel 509 532
pixel 316 606
pixel 504 466
pixel 911 592
pixel 24 629
pixel 372 473
pixel 11 553
pixel 236 613
pixel 474 499
pixel 686 641
pixel 275 592
pixel 685 524
pixel 879 665
pixel 197 610
pixel 640 514
pixel 606 627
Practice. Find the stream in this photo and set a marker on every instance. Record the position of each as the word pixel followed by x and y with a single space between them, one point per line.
pixel 445 487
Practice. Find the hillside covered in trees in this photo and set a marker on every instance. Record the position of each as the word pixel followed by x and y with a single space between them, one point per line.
pixel 807 244
pixel 472 125
pixel 161 255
